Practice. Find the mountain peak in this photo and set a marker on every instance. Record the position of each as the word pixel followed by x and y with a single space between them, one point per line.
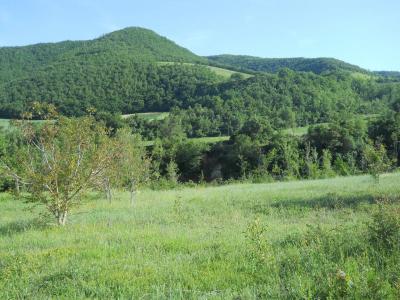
pixel 128 33
pixel 147 43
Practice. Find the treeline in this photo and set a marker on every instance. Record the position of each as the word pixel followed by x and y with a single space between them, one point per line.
pixel 347 146
pixel 344 147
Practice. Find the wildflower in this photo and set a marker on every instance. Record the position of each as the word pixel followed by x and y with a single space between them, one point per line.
pixel 341 275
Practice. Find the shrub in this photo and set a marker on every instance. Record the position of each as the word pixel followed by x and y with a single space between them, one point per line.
pixel 384 229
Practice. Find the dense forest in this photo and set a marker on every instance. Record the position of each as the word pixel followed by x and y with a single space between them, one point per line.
pixel 273 65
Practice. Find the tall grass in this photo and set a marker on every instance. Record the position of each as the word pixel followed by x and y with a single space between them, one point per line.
pixel 288 240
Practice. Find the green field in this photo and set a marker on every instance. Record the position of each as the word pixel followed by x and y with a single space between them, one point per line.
pixel 286 240
pixel 149 115
pixel 225 73
pixel 297 131
pixel 210 139
pixel 206 140
pixel 5 123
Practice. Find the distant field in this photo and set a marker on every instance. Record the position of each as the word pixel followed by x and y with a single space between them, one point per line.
pixel 297 131
pixel 210 139
pixel 207 140
pixel 225 73
pixel 286 240
pixel 149 115
pixel 359 75
pixel 5 123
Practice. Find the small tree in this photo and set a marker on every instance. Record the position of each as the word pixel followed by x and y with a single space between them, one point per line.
pixel 376 160
pixel 133 167
pixel 61 160
pixel 172 172
pixel 10 156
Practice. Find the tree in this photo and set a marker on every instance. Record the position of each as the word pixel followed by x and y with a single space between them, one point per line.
pixel 376 160
pixel 257 129
pixel 10 148
pixel 60 160
pixel 386 130
pixel 189 158
pixel 133 166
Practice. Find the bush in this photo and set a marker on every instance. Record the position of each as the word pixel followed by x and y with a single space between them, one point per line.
pixel 384 229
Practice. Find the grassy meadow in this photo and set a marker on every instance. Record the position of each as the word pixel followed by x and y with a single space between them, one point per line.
pixel 286 240
pixel 223 73
pixel 149 115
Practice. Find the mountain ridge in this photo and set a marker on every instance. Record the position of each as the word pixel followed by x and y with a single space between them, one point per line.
pixel 316 65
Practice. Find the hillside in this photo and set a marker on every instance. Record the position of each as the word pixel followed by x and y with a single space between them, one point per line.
pixel 273 65
pixel 136 70
pixel 120 67
pixel 133 43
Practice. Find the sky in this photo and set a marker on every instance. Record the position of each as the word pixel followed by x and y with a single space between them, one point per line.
pixel 361 32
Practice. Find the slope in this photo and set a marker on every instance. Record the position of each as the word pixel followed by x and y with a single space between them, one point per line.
pixel 133 43
pixel 273 65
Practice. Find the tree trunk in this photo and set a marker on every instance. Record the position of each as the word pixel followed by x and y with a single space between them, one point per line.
pixel 62 218
pixel 133 192
pixel 17 190
pixel 107 187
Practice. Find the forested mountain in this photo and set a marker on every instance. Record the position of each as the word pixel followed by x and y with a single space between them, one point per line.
pixel 133 43
pixel 273 65
pixel 117 67
pixel 136 70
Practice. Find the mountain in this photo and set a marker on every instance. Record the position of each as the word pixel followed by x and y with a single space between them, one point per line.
pixel 136 70
pixel 132 43
pixel 273 65
pixel 120 71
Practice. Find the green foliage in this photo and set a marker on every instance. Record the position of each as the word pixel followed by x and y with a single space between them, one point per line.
pixel 340 138
pixel 384 229
pixel 258 245
pixel 386 130
pixel 134 42
pixel 189 158
pixel 376 160
pixel 60 161
pixel 273 65
pixel 132 169
pixel 172 172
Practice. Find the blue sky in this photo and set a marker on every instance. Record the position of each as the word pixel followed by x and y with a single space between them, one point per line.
pixel 362 32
